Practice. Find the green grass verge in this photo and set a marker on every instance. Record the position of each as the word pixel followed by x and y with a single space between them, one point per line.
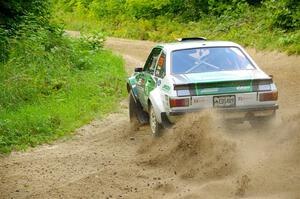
pixel 49 94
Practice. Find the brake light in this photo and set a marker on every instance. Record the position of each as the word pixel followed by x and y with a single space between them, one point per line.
pixel 179 102
pixel 271 96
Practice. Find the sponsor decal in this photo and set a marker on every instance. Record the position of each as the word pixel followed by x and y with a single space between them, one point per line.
pixel 198 100
pixel 166 88
pixel 223 89
pixel 243 88
pixel 209 90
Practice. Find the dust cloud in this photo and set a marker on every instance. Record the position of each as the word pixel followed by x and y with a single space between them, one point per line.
pixel 194 148
pixel 235 161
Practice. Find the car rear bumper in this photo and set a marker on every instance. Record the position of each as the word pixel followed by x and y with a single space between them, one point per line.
pixel 238 113
pixel 233 109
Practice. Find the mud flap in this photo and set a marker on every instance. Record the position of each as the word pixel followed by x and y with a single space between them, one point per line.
pixel 165 121
pixel 141 115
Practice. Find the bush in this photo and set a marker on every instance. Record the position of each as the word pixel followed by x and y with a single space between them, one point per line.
pixel 257 23
pixel 12 11
pixel 51 84
pixel 106 8
pixel 284 14
pixel 3 45
pixel 94 41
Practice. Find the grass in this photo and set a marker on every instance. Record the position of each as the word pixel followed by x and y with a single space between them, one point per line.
pixel 51 93
pixel 249 30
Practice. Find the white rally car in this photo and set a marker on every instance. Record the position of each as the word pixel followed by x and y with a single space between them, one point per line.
pixel 195 74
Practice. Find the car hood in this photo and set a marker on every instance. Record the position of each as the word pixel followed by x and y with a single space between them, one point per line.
pixel 221 76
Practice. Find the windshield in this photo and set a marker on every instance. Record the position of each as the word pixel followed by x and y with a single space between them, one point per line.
pixel 198 60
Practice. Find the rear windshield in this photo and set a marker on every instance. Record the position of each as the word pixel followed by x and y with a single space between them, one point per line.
pixel 198 60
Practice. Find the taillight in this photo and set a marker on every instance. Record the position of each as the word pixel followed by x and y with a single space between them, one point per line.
pixel 179 102
pixel 271 96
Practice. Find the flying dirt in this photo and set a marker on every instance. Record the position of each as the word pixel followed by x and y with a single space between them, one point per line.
pixel 200 157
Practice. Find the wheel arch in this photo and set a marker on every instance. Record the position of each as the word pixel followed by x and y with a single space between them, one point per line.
pixel 155 100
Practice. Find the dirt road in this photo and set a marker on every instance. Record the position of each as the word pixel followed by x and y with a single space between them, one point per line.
pixel 199 160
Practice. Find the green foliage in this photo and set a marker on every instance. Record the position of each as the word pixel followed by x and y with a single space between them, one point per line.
pixel 18 15
pixel 281 13
pixel 106 8
pixel 146 9
pixel 50 84
pixel 180 9
pixel 228 8
pixel 12 11
pixel 93 41
pixel 263 24
pixel 3 44
pixel 285 14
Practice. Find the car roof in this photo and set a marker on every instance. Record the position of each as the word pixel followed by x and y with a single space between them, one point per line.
pixel 194 44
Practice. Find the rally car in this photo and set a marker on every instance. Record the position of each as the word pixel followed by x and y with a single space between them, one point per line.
pixel 195 74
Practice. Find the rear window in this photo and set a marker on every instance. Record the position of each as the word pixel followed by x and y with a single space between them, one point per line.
pixel 210 59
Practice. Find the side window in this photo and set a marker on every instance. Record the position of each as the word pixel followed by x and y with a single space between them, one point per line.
pixel 161 66
pixel 151 61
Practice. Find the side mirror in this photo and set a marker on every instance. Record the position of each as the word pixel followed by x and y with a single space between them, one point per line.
pixel 138 69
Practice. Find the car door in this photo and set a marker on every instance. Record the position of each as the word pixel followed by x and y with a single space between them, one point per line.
pixel 146 81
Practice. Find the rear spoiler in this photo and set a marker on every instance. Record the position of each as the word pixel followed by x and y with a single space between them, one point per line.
pixel 192 39
pixel 228 83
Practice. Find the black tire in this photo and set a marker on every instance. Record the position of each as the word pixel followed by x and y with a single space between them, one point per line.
pixel 155 126
pixel 134 122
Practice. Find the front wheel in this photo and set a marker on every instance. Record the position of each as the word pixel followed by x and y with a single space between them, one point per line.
pixel 155 126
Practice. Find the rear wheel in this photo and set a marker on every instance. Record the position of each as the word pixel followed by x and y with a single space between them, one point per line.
pixel 155 126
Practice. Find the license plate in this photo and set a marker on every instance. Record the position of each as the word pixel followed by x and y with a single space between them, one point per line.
pixel 224 101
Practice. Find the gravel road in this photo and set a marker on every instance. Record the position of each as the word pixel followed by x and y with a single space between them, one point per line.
pixel 198 158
